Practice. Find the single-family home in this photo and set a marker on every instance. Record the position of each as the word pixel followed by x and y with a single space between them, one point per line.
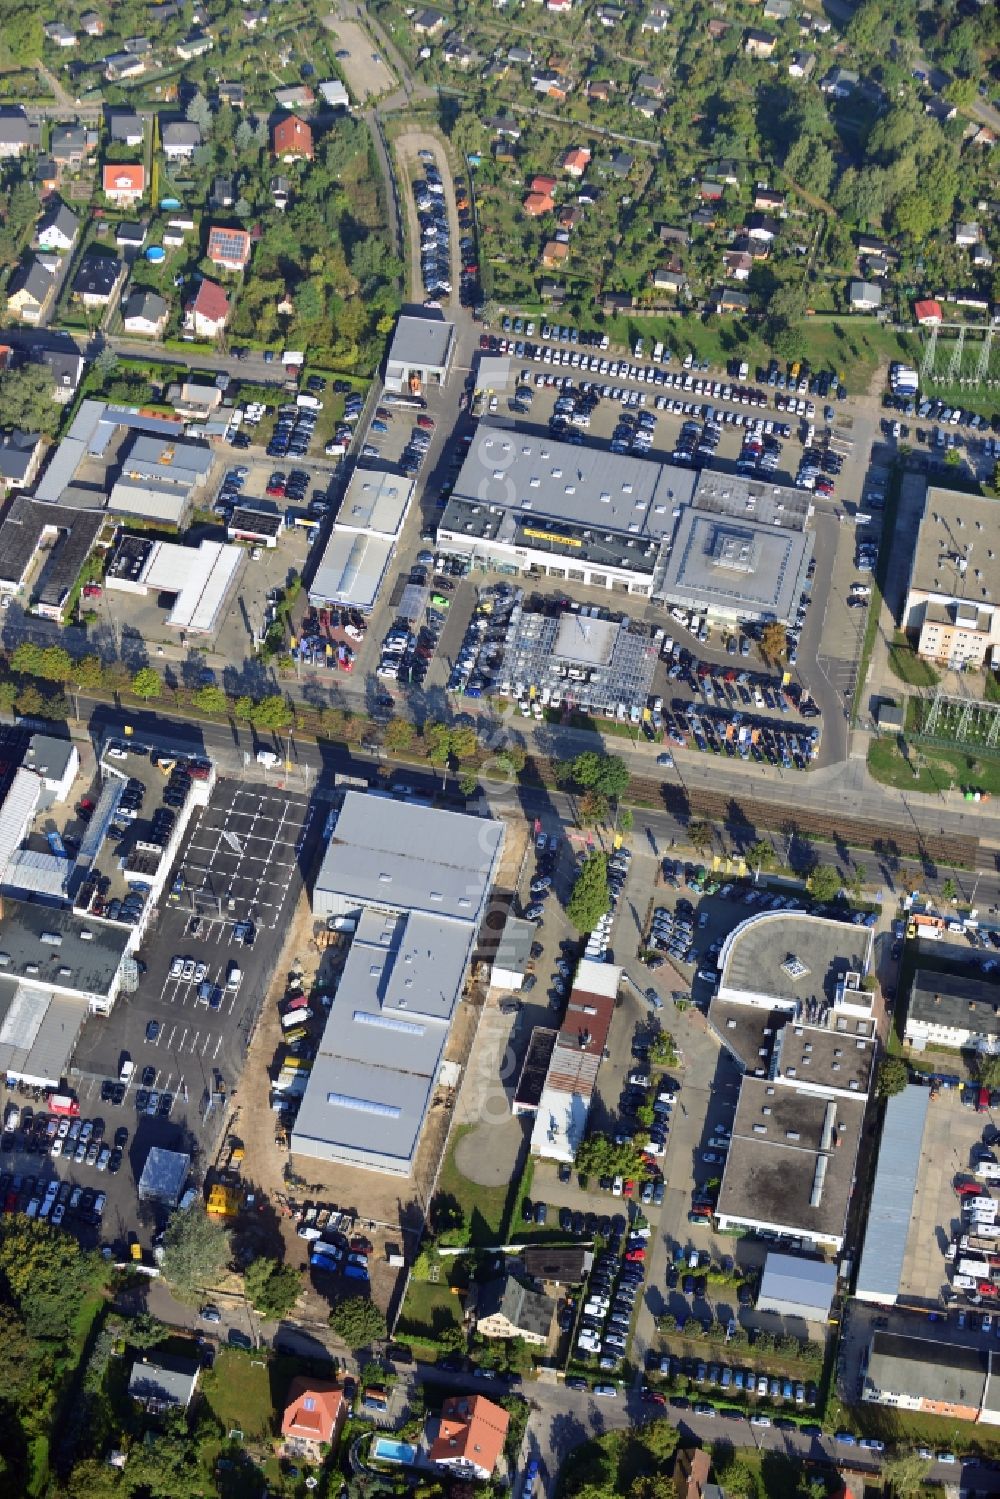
pixel 292 139
pixel 334 94
pixel 164 11
pixel 125 127
pixel 124 183
pixel 928 314
pixel 777 10
pixel 223 192
pixel 45 176
pixel 233 94
pixel 130 236
pixel 120 66
pixel 690 1475
pixel 508 1309
pixel 648 83
pixel 982 256
pixel 802 65
pixel 760 226
pixel 668 280
pixel 92 23
pixel 457 52
pixel 705 217
pixel 228 248
pixel 673 234
pixel 64 362
pixel 548 82
pixel 139 46
pixel 468 1437
pixel 599 90
pixel 296 96
pixel 59 34
pixel 621 164
pixel 97 280
pixel 870 244
pixel 552 291
pixel 207 313
pixel 71 144
pixel 20 457
pixel 57 228
pixel 940 109
pixel 711 192
pixel 757 43
pixel 428 22
pixel 576 161
pixel 506 126
pixel 645 105
pixel 196 44
pixel 30 291
pixel 657 18
pixel 161 1381
pixel 280 188
pixel 180 139
pixel 536 205
pixel 610 16
pixel 967 235
pixel 738 264
pixel 569 217
pixel 728 300
pixel 17 134
pixel 554 253
pixel 559 7
pixel 717 28
pixel 520 55
pixel 768 198
pixel 250 20
pixel 864 296
pixel 315 1410
pixel 839 83
pixel 145 313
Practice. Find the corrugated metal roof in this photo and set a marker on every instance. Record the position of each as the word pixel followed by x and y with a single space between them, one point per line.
pixel 892 1195
pixel 16 813
pixel 791 1280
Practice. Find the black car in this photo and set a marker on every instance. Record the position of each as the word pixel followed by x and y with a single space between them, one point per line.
pixel 115 1161
pixel 579 1223
pixel 527 1211
pixel 148 1076
pixel 541 1213
pixel 565 1220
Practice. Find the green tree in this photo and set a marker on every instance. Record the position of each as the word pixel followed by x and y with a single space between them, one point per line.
pixel 199 112
pixel 988 1070
pixel 167 1465
pixel 87 673
pixel 605 773
pixel 147 683
pixel 593 807
pixel 106 364
pixel 210 699
pixel 463 742
pixel 823 883
pixel 272 1288
pixel 30 702
pixel 761 855
pixel 56 664
pixel 195 1251
pixel 700 835
pixel 905 1473
pixel 358 1322
pixel 590 898
pixel 399 735
pixel 26 399
pixel 511 759
pixel 598 1155
pixel 893 1076
pixel 272 712
pixel 20 34
pixel 437 737
pixel 949 890
pixel 468 781
pixel 46 1275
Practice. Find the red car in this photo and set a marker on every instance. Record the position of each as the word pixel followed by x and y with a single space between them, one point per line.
pixel 92 590
pixel 484 340
pixel 628 1189
pixel 427 422
pixel 635 1256
pixel 654 1397
pixel 275 490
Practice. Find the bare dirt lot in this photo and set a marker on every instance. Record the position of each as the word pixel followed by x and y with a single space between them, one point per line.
pixel 368 74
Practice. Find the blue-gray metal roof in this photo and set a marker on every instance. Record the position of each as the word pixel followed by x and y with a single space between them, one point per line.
pixel 892 1196
pixel 790 1279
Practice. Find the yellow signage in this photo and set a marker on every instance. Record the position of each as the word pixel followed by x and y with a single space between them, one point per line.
pixel 553 536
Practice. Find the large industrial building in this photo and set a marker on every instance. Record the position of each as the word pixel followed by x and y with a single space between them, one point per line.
pixel 953 1010
pixel 880 1276
pixel 792 1011
pixel 726 546
pixel 952 608
pixel 414 882
pixel 933 1376
pixel 363 541
pixel 199 579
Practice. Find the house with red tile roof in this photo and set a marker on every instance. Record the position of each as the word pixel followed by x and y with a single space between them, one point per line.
pixel 123 183
pixel 469 1437
pixel 228 248
pixel 208 311
pixel 292 140
pixel 542 184
pixel 576 161
pixel 537 204
pixel 928 313
pixel 315 1411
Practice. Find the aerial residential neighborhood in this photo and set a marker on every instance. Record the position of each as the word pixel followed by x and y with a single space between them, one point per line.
pixel 500 749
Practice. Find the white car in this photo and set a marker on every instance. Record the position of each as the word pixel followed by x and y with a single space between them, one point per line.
pixel 187 971
pixel 177 968
pixel 201 969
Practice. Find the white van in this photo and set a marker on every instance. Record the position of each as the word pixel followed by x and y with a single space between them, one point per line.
pixel 267 758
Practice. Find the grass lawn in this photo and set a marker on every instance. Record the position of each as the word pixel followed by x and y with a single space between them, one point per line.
pixel 908 666
pixel 488 1210
pixel 428 1310
pixel 936 769
pixel 243 1393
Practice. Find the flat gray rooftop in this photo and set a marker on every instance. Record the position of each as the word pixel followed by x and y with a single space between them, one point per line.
pixel 771 1168
pixel 749 1031
pixel 421 343
pixel 958 540
pixel 48 945
pixel 736 564
pixel 835 1058
pixel 944 1372
pixel 891 1213
pixel 754 956
pixel 752 499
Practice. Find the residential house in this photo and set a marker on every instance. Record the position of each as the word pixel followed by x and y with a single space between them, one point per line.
pixel 621 164
pixel 314 1413
pixel 566 1265
pixel 20 457
pixel 966 235
pixel 802 65
pixel 167 10
pixel 521 56
pixel 468 1437
pixel 559 7
pixel 541 183
pixel 576 161
pixel 429 22
pixel 71 144
pixel 59 34
pixel 599 90
pixel 648 83
pixel 548 82
pixel 228 248
pixel 552 291
pixel 672 234
pixel 758 43
pixel 180 139
pixel 738 264
pixel 145 313
pixel 65 364
pixel 280 189
pixel 92 23
pixel 940 109
pixel 507 1309
pixel 233 94
pixel 616 302
pixel 125 127
pixel 870 244
pixel 97 280
pixel 711 192
pixel 298 96
pixel 656 20
pixel 207 314
pixel 727 300
pixel 669 280
pixel 45 176
pixel 123 65
pixel 30 291
pixel 704 218
pixel 982 256
pixel 17 134
pixel 223 192
pixel 645 105
pixel 554 254
pixel 692 1466
pixel 717 29
pixel 768 198
pixel 507 127
pixel 839 83
pixel 176 232
pixel 864 296
pixel 251 19
pixel 130 236
pixel 194 45
pixel 124 183
pixel 536 205
pixel 292 139
pixel 161 1381
pixel 139 46
pixel 569 218
pixel 58 228
pixel 777 10
pixel 456 52
pixel 610 16
pixel 761 227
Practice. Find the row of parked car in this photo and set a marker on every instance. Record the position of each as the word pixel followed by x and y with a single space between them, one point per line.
pixel 50 1200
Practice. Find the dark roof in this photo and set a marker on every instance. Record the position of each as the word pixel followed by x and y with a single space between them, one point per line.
pixel 16 451
pixel 145 304
pixel 954 1000
pixel 566 1266
pixel 97 276
pixel 123 123
pixel 31 276
pixel 62 218
pixel 163 1378
pixel 928 1368
pixel 535 1068
pixel 15 128
pixel 21 533
pixel 528 1310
